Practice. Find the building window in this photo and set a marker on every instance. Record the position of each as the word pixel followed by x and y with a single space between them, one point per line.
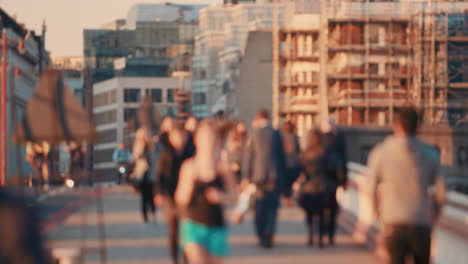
pixel 374 85
pixel 112 97
pixel 170 95
pixel 132 95
pixel 107 136
pixel 373 68
pixel 156 95
pixel 315 77
pixel 129 113
pixel 373 34
pixel 104 155
pixel 105 117
pixel 199 98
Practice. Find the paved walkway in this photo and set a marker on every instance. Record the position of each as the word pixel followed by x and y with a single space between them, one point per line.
pixel 131 241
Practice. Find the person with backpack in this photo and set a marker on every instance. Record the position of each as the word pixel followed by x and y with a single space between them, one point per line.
pixel 264 166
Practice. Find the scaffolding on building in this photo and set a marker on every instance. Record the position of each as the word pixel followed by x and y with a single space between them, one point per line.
pixel 376 58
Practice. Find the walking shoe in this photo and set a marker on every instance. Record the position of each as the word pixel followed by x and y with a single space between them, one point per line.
pixel 269 241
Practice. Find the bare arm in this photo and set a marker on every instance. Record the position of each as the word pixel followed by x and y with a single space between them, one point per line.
pixel 185 185
pixel 374 179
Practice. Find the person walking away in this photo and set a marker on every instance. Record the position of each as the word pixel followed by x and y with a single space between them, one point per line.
pixel 312 194
pixel 122 157
pixel 264 166
pixel 403 172
pixel 37 155
pixel 336 171
pixel 175 150
pixel 142 149
pixel 206 183
pixel 292 151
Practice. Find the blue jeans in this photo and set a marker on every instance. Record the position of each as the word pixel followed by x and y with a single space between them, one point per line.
pixel 266 209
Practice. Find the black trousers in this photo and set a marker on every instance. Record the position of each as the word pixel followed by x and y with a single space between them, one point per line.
pixel 172 218
pixel 147 198
pixel 311 224
pixel 333 207
pixel 266 209
pixel 405 241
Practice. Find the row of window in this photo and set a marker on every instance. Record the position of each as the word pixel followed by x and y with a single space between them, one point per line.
pixel 199 98
pixel 105 98
pixel 133 95
pixel 107 117
pixel 107 136
pixel 306 77
pixel 104 155
pixel 130 113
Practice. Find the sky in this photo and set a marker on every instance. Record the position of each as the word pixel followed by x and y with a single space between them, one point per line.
pixel 66 19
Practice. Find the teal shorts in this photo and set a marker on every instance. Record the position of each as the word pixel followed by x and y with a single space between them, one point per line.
pixel 213 239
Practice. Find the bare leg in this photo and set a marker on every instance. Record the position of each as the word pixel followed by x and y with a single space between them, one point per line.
pixel 197 254
pixel 215 260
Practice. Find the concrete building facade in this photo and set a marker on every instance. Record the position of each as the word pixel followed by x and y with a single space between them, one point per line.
pixel 362 61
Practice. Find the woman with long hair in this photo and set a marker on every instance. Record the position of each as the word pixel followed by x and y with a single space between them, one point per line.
pixel 205 184
pixel 312 195
pixel 235 144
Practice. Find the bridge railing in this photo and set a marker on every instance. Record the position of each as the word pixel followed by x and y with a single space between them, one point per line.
pixel 450 241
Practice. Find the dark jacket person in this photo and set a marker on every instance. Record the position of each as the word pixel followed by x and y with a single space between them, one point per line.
pixel 265 167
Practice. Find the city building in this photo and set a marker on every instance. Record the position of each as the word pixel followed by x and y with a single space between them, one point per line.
pixel 162 12
pixel 165 31
pixel 361 61
pixel 116 101
pixel 26 57
pixel 219 49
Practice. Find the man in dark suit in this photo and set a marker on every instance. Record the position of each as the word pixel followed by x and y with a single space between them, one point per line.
pixel 264 166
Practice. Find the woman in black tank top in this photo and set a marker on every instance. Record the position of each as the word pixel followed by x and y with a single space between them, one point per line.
pixel 205 184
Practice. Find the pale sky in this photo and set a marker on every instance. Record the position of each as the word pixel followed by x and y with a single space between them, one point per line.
pixel 66 19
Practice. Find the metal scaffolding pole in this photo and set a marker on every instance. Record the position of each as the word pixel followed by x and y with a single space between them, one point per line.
pixel 275 75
